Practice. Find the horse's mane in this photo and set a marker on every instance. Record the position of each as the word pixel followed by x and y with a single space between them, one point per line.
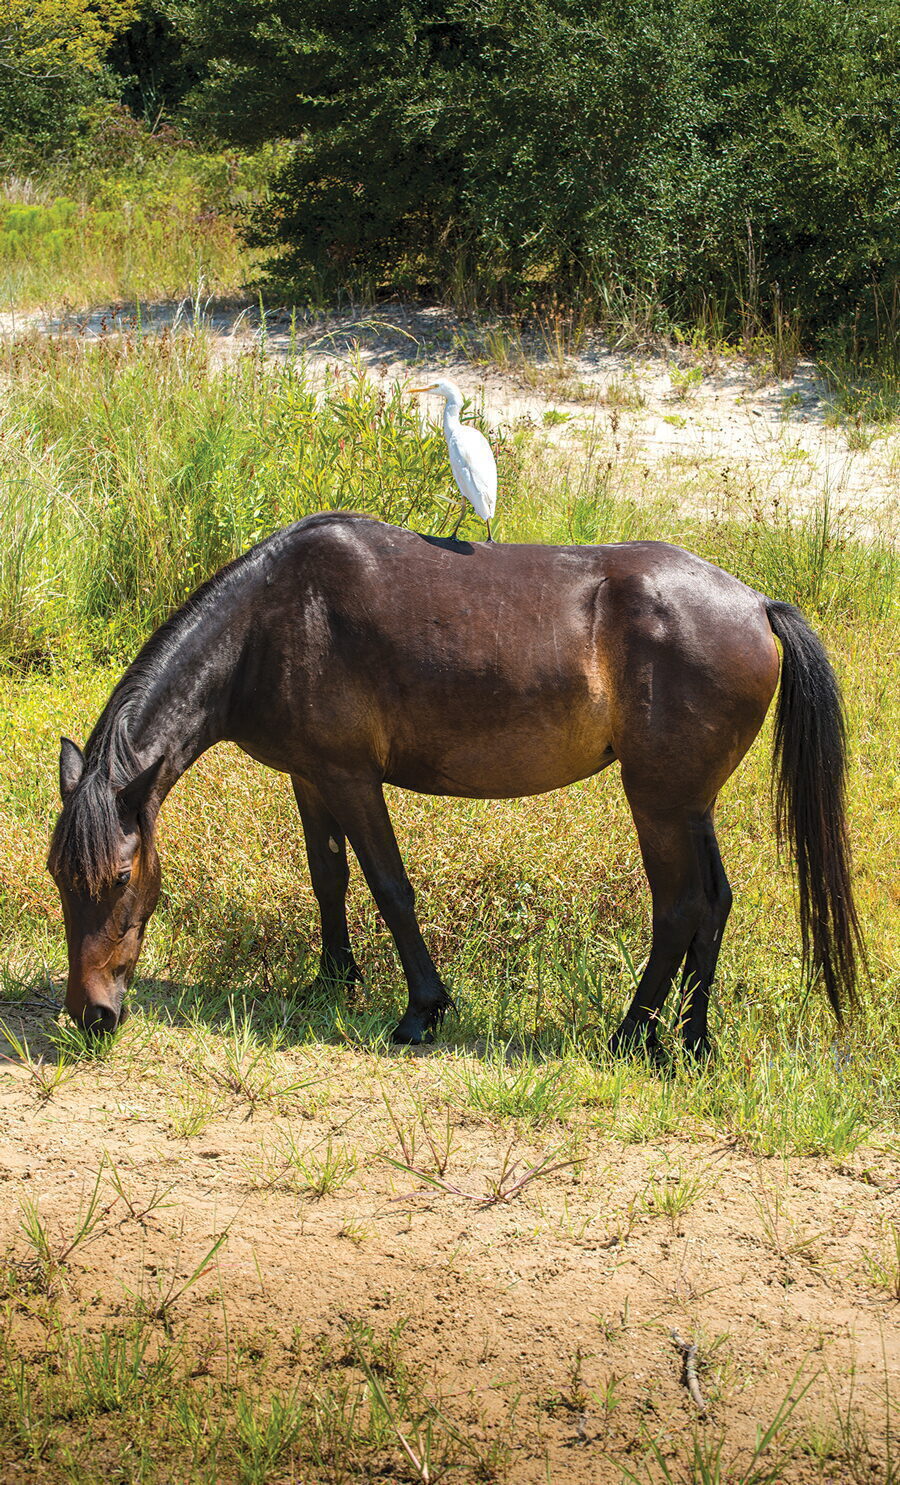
pixel 85 840
pixel 84 845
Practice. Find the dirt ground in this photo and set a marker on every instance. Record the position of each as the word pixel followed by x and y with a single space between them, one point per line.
pixel 539 1322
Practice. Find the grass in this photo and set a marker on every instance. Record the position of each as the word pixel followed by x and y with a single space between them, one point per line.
pixel 157 227
pixel 131 469
pixel 125 1334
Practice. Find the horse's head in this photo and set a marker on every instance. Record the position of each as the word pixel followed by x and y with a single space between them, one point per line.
pixel 105 866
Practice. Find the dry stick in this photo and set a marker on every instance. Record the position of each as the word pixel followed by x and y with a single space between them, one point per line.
pixel 689 1354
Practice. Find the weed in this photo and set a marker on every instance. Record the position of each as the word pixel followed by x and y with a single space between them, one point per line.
pixel 137 1209
pixel 685 381
pixel 193 1112
pixel 883 1267
pixel 623 395
pixel 46 1077
pixel 169 1290
pixel 507 1184
pixel 673 1194
pixel 438 1137
pixel 249 1072
pixel 324 1174
pixel 707 1464
pixel 106 1374
pixel 355 1232
pixel 267 1433
pixel 288 1164
pixel 613 1328
pixel 54 1250
pixel 781 1234
pixel 536 1095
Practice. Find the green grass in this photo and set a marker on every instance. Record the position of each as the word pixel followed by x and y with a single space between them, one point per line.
pixel 163 227
pixel 133 469
pixel 129 472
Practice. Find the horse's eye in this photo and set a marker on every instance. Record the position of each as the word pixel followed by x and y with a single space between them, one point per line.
pixel 123 878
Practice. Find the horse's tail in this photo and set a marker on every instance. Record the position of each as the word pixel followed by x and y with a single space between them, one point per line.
pixel 810 759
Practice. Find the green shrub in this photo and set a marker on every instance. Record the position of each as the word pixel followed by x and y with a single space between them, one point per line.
pixel 740 152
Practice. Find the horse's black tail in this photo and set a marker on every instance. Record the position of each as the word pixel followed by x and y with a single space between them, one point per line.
pixel 811 764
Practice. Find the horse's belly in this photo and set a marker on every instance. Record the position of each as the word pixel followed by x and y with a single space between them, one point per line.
pixel 503 786
pixel 503 768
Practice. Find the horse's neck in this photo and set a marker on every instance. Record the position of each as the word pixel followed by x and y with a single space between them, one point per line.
pixel 181 708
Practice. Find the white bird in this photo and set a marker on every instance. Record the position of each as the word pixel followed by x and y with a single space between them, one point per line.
pixel 471 457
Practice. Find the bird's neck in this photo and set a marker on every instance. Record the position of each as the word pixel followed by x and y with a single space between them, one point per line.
pixel 452 410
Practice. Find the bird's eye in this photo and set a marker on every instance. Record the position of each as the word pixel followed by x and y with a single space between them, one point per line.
pixel 123 878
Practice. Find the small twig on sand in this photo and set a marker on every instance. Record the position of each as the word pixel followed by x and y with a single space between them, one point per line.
pixel 689 1355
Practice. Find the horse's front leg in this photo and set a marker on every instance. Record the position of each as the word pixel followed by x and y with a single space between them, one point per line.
pixel 326 852
pixel 359 806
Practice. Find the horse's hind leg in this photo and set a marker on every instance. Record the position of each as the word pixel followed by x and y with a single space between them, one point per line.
pixel 360 807
pixel 669 847
pixel 703 954
pixel 326 852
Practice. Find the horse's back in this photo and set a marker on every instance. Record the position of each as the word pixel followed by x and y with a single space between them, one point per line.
pixel 504 669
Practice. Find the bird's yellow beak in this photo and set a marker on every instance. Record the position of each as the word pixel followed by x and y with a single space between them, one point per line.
pixel 411 390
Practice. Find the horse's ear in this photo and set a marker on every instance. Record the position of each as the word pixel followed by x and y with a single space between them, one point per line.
pixel 132 797
pixel 71 766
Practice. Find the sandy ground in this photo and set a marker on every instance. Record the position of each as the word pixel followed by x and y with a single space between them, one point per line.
pixel 676 410
pixel 542 1324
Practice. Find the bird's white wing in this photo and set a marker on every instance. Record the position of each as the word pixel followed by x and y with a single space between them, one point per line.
pixel 474 468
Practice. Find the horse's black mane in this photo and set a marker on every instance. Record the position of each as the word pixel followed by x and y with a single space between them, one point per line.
pixel 85 840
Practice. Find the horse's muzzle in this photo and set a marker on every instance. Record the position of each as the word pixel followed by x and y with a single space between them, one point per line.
pixel 100 1020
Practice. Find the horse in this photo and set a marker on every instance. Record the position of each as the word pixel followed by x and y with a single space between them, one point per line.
pixel 349 653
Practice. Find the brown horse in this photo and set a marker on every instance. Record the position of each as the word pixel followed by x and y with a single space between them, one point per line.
pixel 348 654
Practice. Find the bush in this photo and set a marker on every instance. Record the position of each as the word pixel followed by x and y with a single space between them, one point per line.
pixel 744 150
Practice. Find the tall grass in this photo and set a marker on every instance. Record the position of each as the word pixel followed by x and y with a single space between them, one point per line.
pixel 155 228
pixel 132 468
pixel 133 471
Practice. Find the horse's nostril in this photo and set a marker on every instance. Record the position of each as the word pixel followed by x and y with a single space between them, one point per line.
pixel 99 1020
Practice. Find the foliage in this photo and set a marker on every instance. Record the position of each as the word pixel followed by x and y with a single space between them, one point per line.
pixel 53 36
pixel 131 473
pixel 133 467
pixel 146 218
pixel 52 68
pixel 701 149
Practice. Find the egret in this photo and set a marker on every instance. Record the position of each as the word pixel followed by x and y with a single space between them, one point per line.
pixel 471 456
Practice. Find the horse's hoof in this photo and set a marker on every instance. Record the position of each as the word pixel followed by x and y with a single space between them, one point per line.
pixel 410 1032
pixel 418 1025
pixel 637 1041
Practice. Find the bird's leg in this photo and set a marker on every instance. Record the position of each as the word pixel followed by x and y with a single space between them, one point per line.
pixel 490 538
pixel 459 521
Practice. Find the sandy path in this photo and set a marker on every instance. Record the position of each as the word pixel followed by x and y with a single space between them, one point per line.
pixel 543 1322
pixel 781 438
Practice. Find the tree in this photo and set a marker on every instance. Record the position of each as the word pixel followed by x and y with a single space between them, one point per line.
pixel 52 66
pixel 747 150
